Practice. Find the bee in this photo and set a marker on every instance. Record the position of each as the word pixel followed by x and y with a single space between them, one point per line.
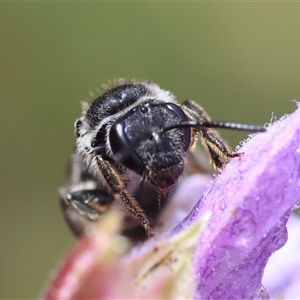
pixel 131 146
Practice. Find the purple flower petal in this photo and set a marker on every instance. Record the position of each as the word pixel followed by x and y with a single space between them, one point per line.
pixel 250 204
pixel 282 276
pixel 241 221
pixel 185 197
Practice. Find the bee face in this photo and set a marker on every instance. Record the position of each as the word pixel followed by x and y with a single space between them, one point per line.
pixel 136 130
pixel 138 142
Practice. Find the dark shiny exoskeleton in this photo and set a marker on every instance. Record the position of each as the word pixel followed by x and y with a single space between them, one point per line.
pixel 131 146
pixel 138 143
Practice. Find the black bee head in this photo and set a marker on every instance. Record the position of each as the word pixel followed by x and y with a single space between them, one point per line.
pixel 139 142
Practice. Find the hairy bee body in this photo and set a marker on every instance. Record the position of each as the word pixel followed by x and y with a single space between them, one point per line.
pixel 131 146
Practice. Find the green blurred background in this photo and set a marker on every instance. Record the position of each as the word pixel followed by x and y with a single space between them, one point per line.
pixel 241 61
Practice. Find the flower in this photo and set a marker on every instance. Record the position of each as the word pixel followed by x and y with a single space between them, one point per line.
pixel 282 276
pixel 219 251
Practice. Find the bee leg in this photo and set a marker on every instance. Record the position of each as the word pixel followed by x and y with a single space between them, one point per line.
pixel 196 110
pixel 218 149
pixel 84 200
pixel 116 187
pixel 220 153
pixel 82 206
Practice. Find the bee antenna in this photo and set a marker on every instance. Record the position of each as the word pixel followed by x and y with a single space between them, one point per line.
pixel 217 124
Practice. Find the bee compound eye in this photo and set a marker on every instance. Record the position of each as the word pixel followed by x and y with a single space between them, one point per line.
pixel 124 150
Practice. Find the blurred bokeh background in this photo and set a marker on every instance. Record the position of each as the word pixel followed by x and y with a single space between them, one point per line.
pixel 241 61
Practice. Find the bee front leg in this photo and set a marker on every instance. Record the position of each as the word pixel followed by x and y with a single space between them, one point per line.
pixel 219 151
pixel 117 188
